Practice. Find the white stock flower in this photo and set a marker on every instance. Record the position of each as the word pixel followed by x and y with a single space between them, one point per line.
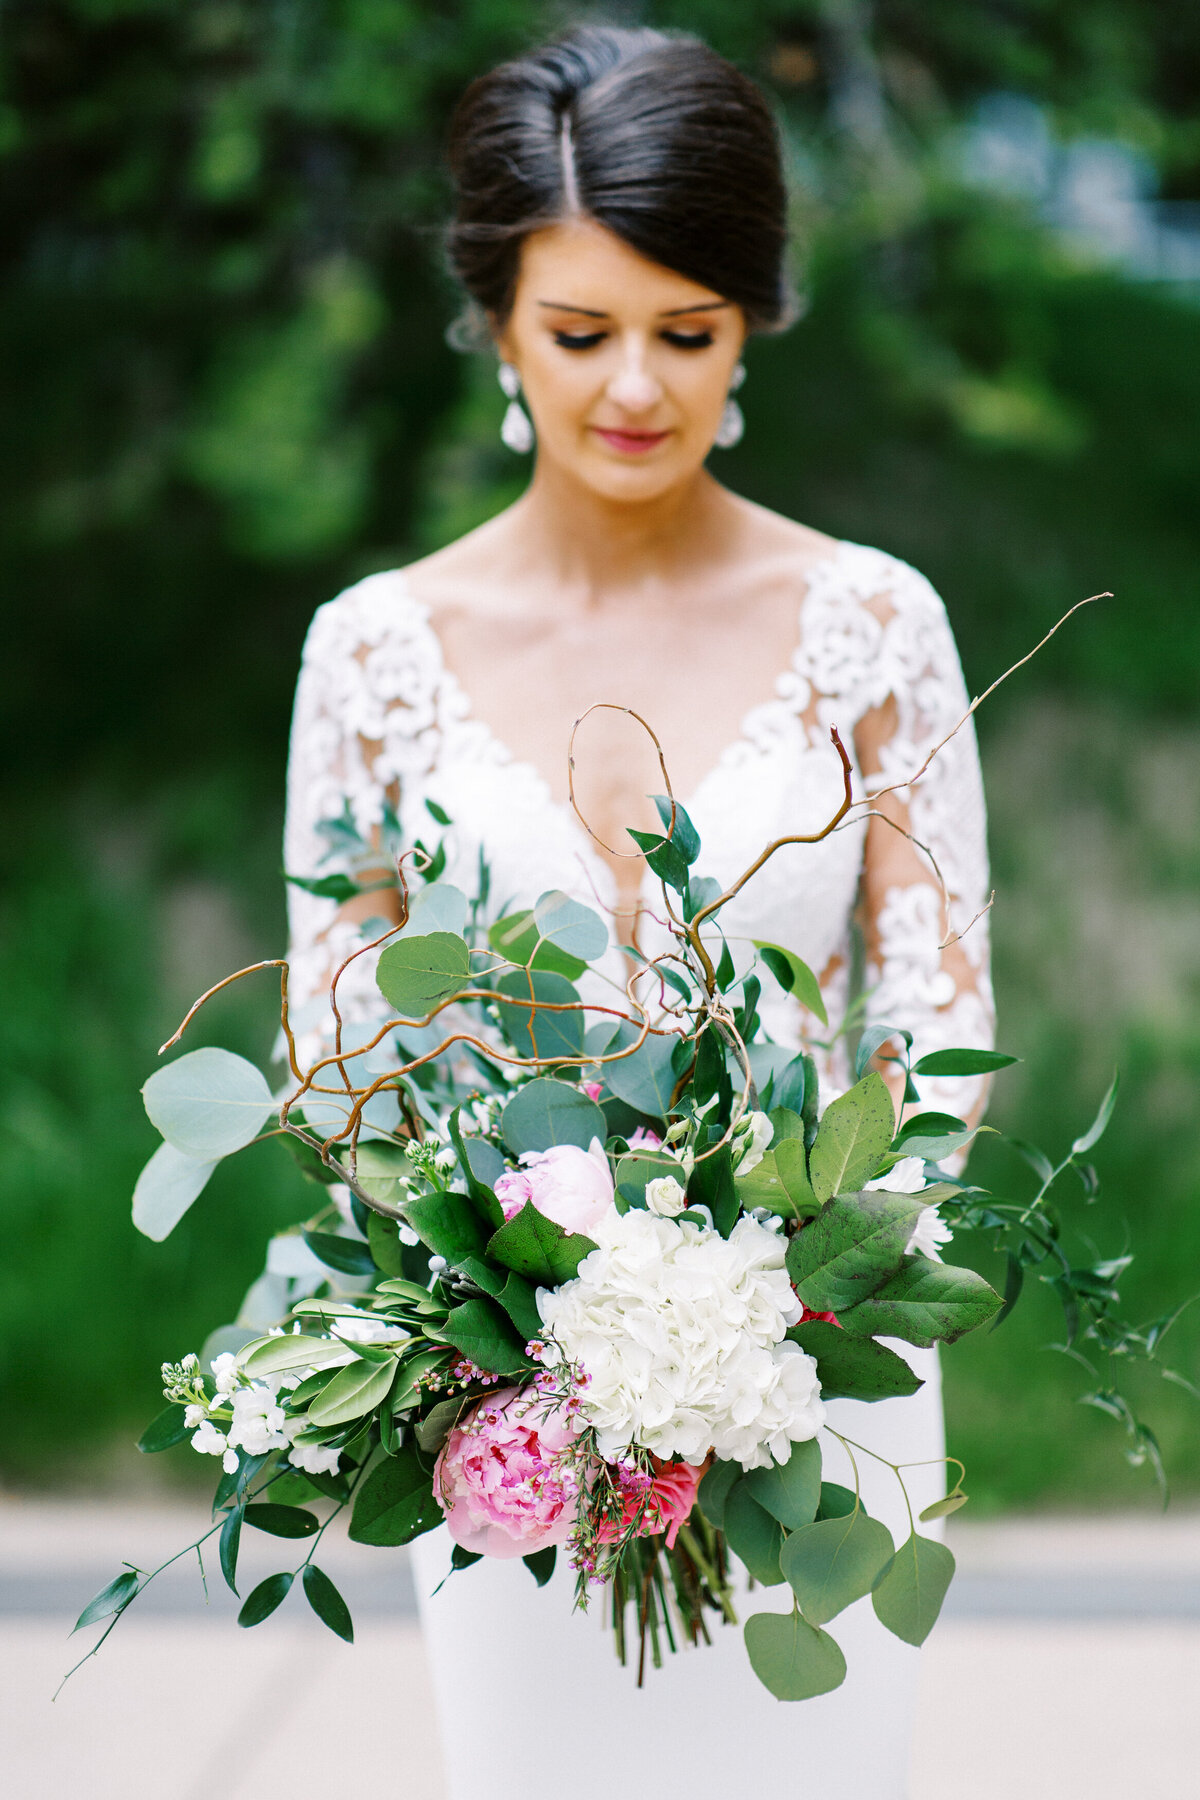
pixel 755 1142
pixel 209 1441
pixel 930 1230
pixel 681 1335
pixel 665 1197
pixel 259 1422
pixel 225 1373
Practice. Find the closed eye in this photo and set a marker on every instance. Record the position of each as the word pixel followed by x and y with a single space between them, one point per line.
pixel 688 340
pixel 571 340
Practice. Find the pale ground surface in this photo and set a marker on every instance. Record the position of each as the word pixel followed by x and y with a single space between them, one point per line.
pixel 1068 1667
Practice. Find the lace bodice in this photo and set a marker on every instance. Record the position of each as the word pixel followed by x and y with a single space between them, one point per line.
pixel 379 716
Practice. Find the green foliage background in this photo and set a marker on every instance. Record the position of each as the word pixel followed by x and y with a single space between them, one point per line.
pixel 228 393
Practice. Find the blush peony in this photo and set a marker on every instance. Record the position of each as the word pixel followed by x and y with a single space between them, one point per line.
pixel 681 1335
pixel 502 1479
pixel 571 1186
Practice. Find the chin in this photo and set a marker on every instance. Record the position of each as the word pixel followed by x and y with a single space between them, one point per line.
pixel 632 481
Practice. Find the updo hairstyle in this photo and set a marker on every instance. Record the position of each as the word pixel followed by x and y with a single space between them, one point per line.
pixel 652 135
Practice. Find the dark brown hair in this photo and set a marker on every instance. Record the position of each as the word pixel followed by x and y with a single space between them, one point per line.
pixel 653 135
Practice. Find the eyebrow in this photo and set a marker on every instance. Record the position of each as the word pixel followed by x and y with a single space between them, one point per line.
pixel 676 312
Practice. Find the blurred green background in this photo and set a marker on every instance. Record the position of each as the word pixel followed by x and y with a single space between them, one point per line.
pixel 228 394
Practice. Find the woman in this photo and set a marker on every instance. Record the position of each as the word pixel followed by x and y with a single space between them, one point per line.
pixel 621 229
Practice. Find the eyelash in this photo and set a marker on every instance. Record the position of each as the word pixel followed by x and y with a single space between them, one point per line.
pixel 679 340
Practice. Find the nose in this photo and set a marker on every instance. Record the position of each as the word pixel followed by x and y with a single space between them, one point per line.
pixel 633 387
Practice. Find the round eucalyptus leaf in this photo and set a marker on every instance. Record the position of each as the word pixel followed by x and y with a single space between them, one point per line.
pixel 792 1658
pixel 209 1103
pixel 548 1112
pixel 438 907
pixel 165 1189
pixel 415 973
pixel 572 928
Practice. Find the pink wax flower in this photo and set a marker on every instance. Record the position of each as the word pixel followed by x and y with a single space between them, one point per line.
pixel 571 1186
pixel 501 1478
pixel 672 1495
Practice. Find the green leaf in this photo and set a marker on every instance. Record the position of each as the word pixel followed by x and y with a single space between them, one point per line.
pixel 852 1246
pixel 282 1521
pixel 353 1391
pixel 790 1491
pixel 854 1134
pixel 228 1543
pixel 792 1658
pixel 538 1248
pixel 164 1431
pixel 327 1603
pixel 924 1302
pixel 382 1171
pixel 438 1423
pixel 165 1189
pixel 438 906
pixel 645 1080
pixel 266 1597
pixel 764 1186
pixel 547 1036
pixel 679 831
pixel 395 1503
pixel 854 1368
pixel 516 1295
pixel 836 1501
pixel 208 1103
pixel 383 1238
pixel 639 1167
pixel 350 1255
pixel 714 1489
pixel 415 973
pixel 834 1562
pixel 111 1599
pixel 1099 1124
pixel 448 1224
pixel 941 1509
pixel 791 1162
pixel 663 857
pixel 711 1184
pixel 327 887
pixel 753 1535
pixel 483 1334
pixel 573 930
pixel 547 1112
pixel 294 1350
pixel 872 1039
pixel 963 1062
pixel 909 1591
pixel 516 937
pixel 540 1564
pixel 793 975
pixel 927 1125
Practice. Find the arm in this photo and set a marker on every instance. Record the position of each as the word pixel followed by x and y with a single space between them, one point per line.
pixel 928 967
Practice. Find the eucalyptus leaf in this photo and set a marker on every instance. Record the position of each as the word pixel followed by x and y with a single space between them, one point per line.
pixel 833 1562
pixel 941 1509
pixel 165 1189
pixel 790 1491
pixel 438 906
pixel 714 1490
pixel 547 1112
pixel 415 973
pixel 530 1029
pixel 753 1534
pixel 208 1103
pixel 517 938
pixel 678 827
pixel 909 1591
pixel 646 1079
pixel 572 929
pixel 793 1659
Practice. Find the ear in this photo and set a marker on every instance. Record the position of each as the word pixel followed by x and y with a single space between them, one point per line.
pixel 501 337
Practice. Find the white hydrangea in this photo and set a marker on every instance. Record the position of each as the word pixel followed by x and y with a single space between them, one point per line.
pixel 680 1333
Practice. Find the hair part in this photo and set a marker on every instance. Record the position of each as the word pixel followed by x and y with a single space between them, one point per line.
pixel 652 135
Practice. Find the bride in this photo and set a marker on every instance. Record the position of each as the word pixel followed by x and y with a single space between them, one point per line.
pixel 621 230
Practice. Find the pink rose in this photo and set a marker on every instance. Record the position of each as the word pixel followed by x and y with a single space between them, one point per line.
pixel 672 1495
pixel 571 1186
pixel 501 1478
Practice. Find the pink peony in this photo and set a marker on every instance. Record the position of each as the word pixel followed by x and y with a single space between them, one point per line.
pixel 501 1479
pixel 643 1139
pixel 672 1497
pixel 593 1089
pixel 571 1186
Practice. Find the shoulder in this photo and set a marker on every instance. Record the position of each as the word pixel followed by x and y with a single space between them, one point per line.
pixel 363 615
pixel 887 587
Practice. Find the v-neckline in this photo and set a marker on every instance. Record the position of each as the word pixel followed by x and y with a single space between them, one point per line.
pixel 465 713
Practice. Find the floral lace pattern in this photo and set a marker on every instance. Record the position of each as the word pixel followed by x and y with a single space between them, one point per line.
pixel 379 716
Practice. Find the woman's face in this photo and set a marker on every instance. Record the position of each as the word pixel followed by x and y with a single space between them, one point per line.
pixel 625 365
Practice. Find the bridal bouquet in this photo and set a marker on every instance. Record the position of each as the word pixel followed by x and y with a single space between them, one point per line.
pixel 592 1259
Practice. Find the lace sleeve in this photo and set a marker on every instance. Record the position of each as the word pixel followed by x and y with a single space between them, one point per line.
pixel 927 962
pixel 363 719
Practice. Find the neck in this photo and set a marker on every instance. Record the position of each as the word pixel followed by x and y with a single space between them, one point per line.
pixel 600 549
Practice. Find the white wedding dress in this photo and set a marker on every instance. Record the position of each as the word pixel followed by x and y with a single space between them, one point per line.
pixel 528 1690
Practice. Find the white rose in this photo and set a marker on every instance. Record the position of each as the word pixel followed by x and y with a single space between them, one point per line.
pixel 755 1143
pixel 665 1197
pixel 905 1177
pixel 930 1231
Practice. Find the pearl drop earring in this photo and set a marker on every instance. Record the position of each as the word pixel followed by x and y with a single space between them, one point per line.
pixel 516 431
pixel 733 420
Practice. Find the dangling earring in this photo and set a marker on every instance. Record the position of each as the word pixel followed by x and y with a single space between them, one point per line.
pixel 516 430
pixel 733 420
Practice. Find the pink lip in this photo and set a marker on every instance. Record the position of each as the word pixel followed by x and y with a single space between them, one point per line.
pixel 631 443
